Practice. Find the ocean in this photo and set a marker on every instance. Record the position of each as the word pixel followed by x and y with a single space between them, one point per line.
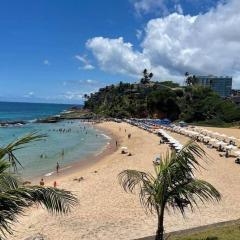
pixel 78 141
pixel 11 111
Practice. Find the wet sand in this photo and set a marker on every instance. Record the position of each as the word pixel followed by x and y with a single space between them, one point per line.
pixel 106 212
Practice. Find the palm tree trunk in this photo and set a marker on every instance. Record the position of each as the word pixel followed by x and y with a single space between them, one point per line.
pixel 160 230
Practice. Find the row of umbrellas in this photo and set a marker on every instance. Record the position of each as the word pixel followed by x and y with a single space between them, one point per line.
pixel 170 139
pixel 213 138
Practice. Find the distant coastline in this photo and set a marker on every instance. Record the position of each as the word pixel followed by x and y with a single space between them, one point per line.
pixel 19 113
pixel 78 140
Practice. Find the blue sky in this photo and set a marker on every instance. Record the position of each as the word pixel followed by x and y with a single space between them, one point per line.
pixel 55 51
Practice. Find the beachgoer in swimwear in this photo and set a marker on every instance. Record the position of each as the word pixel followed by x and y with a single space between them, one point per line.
pixel 42 182
pixel 57 167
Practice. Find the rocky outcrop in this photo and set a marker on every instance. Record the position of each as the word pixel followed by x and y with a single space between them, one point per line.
pixel 11 123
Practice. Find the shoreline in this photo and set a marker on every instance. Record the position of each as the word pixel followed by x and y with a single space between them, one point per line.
pixel 81 164
pixel 105 211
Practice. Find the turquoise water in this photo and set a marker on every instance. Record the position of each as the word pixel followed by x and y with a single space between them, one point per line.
pixel 39 158
pixel 29 111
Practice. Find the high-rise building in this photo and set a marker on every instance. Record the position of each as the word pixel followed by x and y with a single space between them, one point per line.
pixel 221 85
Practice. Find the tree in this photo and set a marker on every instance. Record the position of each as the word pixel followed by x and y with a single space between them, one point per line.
pixel 190 79
pixel 15 197
pixel 146 77
pixel 173 186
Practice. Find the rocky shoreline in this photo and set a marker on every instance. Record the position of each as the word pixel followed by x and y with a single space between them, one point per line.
pixel 12 123
pixel 71 114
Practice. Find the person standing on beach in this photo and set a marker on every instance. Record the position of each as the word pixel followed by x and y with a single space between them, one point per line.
pixel 42 182
pixel 54 184
pixel 57 167
pixel 116 143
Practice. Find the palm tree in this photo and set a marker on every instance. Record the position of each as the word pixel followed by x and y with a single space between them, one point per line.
pixel 173 185
pixel 15 197
pixel 146 77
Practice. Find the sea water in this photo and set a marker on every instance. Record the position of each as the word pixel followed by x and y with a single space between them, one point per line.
pixel 76 142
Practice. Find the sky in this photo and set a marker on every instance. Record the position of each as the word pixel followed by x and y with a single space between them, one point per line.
pixel 56 51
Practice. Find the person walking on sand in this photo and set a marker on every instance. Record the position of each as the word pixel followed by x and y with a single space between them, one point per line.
pixel 57 167
pixel 55 184
pixel 116 143
pixel 42 182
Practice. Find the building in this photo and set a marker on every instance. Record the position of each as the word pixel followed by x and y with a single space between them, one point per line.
pixel 221 85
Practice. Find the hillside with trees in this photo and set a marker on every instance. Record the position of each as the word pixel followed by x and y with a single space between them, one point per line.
pixel 162 100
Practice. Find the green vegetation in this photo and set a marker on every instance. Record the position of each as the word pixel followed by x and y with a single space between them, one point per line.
pixel 15 197
pixel 228 232
pixel 173 185
pixel 193 104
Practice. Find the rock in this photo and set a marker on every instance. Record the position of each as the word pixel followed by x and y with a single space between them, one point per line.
pixel 38 236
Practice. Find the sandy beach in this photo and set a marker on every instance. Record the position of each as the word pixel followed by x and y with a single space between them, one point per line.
pixel 106 212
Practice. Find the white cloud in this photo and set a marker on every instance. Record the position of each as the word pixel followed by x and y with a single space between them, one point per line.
pixel 86 83
pixel 72 95
pixel 166 7
pixel 139 34
pixel 85 61
pixel 46 62
pixel 29 94
pixel 204 44
pixel 116 56
pixel 178 8
pixel 149 6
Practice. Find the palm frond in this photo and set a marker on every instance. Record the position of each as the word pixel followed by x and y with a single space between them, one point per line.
pixel 3 166
pixel 190 192
pixel 186 161
pixel 131 179
pixel 14 202
pixel 55 200
pixel 20 143
pixel 8 182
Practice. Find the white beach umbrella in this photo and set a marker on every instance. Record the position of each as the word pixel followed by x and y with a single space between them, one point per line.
pixel 237 153
pixel 232 138
pixel 206 138
pixel 231 147
pixel 221 143
pixel 223 136
pixel 213 140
